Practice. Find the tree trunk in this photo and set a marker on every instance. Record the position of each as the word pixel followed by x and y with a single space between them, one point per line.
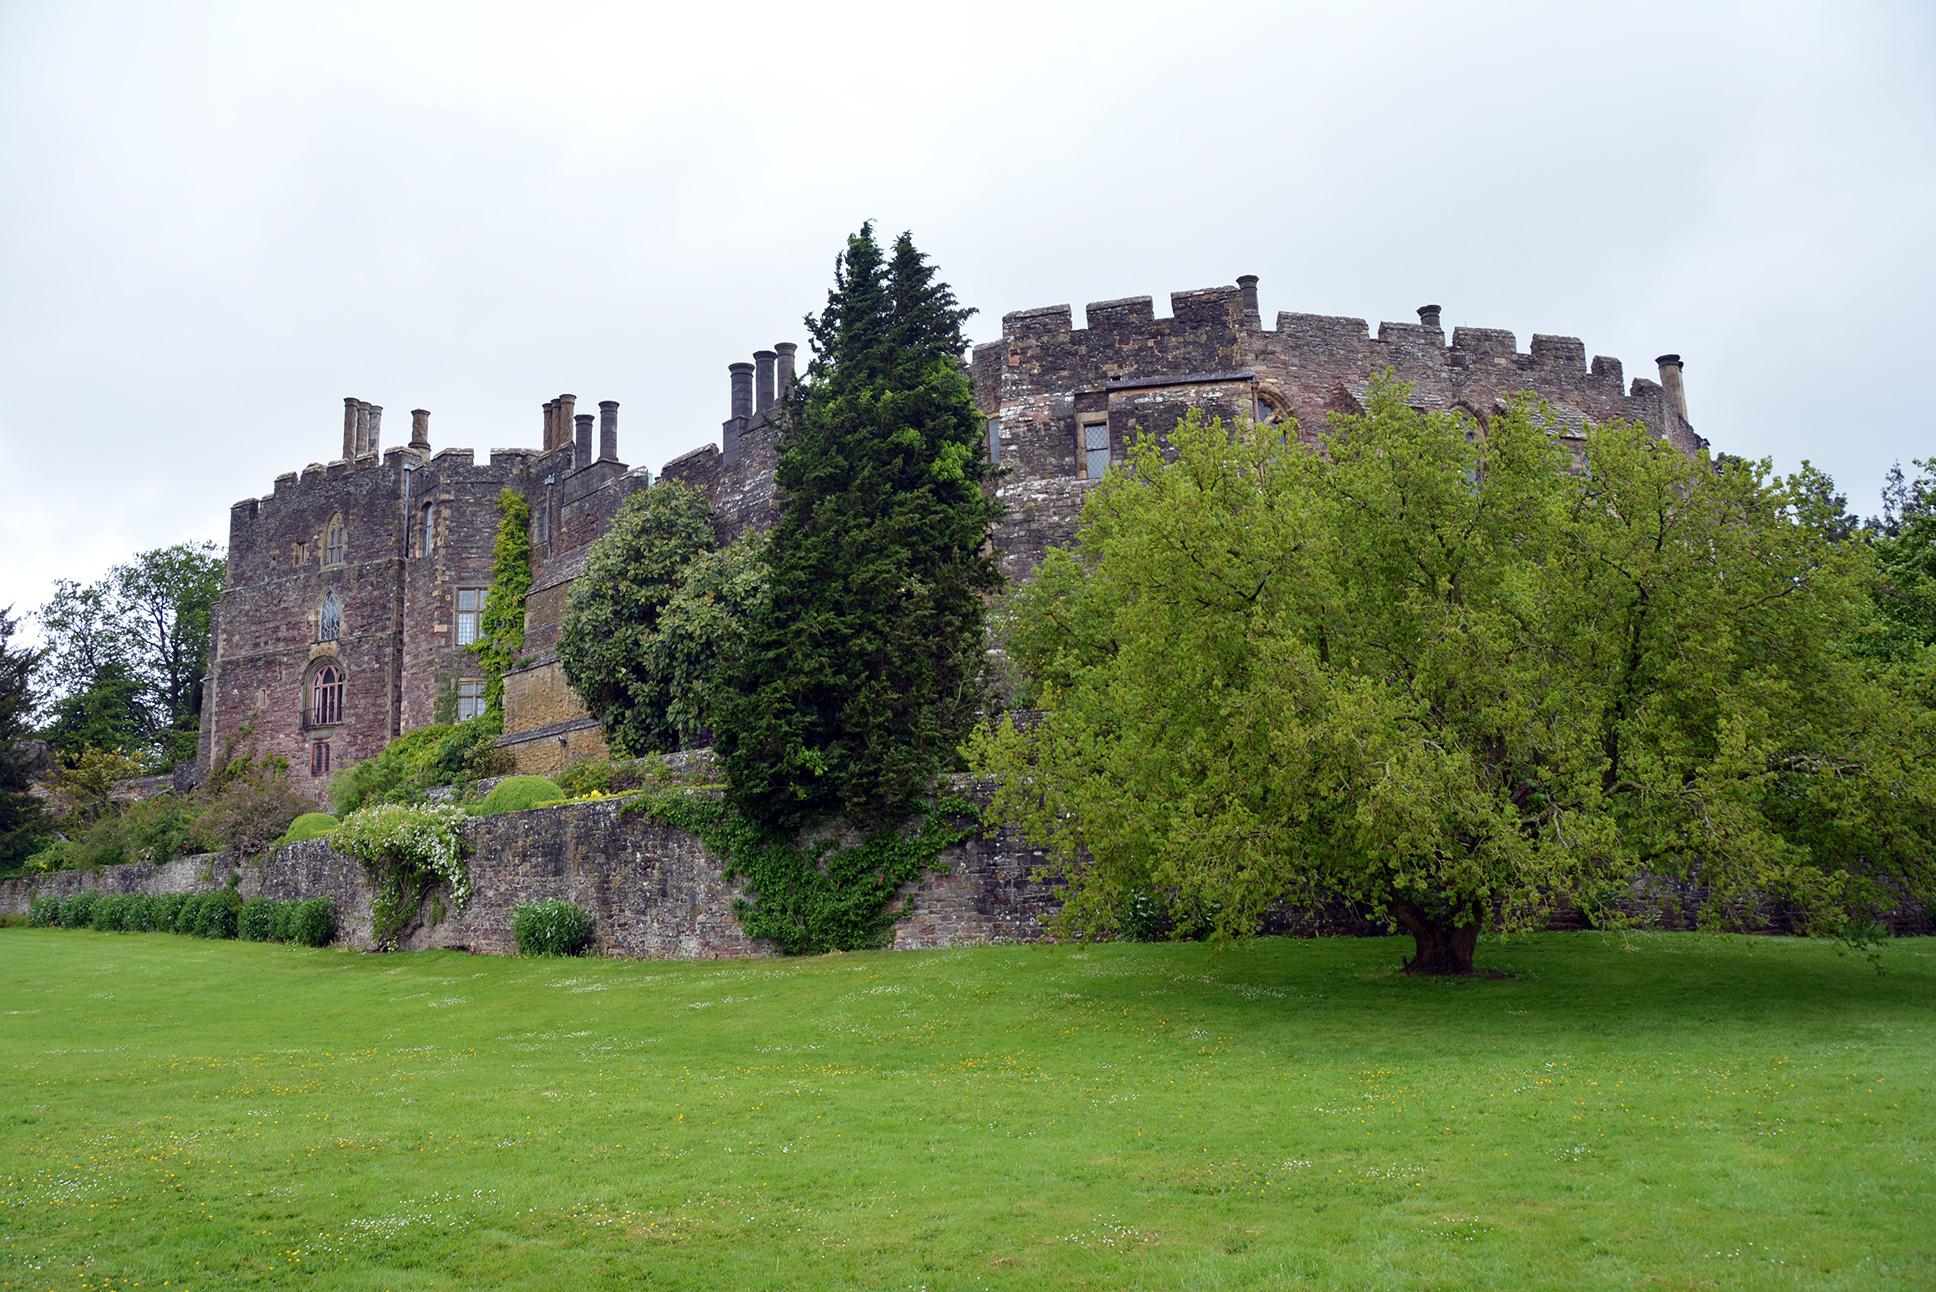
pixel 1443 945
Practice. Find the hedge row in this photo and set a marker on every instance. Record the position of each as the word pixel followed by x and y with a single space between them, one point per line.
pixel 218 914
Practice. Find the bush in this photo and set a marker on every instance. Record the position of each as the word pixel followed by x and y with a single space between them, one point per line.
pixel 167 911
pixel 310 825
pixel 589 776
pixel 141 913
pixel 214 914
pixel 44 913
pixel 551 928
pixel 77 912
pixel 444 754
pixel 252 807
pixel 111 911
pixel 311 923
pixel 260 920
pixel 517 793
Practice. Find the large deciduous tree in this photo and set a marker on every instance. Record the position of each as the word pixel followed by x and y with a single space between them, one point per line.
pixel 1431 669
pixel 126 655
pixel 862 664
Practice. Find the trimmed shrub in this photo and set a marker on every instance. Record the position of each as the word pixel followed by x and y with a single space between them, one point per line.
pixel 168 909
pixel 214 914
pixel 311 923
pixel 310 825
pixel 141 913
pixel 517 793
pixel 44 913
pixel 111 913
pixel 259 919
pixel 77 912
pixel 551 928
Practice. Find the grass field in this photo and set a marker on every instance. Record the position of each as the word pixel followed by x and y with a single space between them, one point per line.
pixel 1693 1112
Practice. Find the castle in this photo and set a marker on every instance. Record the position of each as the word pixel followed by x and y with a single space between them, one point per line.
pixel 355 587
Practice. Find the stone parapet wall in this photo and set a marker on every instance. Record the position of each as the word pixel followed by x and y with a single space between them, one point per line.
pixel 655 892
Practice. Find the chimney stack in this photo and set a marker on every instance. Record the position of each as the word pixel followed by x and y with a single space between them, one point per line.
pixel 565 415
pixel 608 430
pixel 742 377
pixel 550 424
pixel 362 429
pixel 581 452
pixel 1428 316
pixel 763 383
pixel 1670 380
pixel 349 428
pixel 420 429
pixel 371 444
pixel 784 376
pixel 1247 284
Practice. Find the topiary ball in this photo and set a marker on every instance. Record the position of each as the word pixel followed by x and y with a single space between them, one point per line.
pixel 310 825
pixel 516 793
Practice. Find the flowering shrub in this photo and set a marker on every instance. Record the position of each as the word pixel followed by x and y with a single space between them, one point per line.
pixel 44 913
pixel 77 911
pixel 405 849
pixel 550 928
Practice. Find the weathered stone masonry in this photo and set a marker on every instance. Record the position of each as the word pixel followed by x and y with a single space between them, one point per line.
pixel 397 536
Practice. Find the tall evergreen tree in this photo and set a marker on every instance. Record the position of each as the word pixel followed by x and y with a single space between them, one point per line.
pixel 863 664
pixel 23 824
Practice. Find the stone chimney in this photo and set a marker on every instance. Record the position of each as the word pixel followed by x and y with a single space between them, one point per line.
pixel 742 378
pixel 1247 284
pixel 372 443
pixel 1428 316
pixel 608 430
pixel 784 375
pixel 550 424
pixel 350 406
pixel 581 451
pixel 565 404
pixel 362 437
pixel 1670 381
pixel 763 382
pixel 420 429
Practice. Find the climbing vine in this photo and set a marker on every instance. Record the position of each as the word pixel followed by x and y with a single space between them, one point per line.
pixel 811 898
pixel 405 850
pixel 501 635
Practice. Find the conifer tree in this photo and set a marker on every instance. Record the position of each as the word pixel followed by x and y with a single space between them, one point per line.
pixel 862 665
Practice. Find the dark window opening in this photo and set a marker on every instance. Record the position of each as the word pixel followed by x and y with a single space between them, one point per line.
pixel 319 758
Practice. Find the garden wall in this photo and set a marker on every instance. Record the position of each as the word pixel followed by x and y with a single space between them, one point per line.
pixel 656 892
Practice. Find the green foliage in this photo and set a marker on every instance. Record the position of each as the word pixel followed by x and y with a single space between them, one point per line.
pixel 24 826
pixel 517 793
pixel 251 804
pixel 863 662
pixel 311 923
pixel 551 927
pixel 310 825
pixel 1446 677
pixel 439 755
pixel 44 912
pixel 610 645
pixel 127 654
pixel 211 914
pixel 502 630
pixel 77 911
pixel 165 915
pixel 813 897
pixel 111 912
pixel 607 776
pixel 405 850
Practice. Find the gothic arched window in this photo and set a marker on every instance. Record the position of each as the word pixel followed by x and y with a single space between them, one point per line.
pixel 336 542
pixel 326 696
pixel 329 624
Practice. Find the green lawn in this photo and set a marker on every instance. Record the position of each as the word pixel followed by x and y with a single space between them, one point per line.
pixel 1692 1112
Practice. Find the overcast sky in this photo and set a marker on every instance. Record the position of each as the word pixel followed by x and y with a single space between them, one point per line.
pixel 218 221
